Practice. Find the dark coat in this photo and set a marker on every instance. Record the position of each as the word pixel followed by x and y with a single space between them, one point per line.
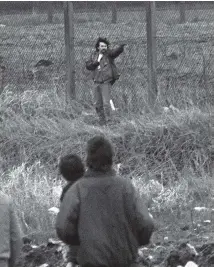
pixel 108 71
pixel 75 240
pixel 65 189
pixel 112 220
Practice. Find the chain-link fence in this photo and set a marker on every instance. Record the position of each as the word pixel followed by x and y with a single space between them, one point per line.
pixel 185 54
pixel 32 54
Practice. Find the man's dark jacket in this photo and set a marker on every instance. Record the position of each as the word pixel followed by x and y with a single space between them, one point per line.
pixel 108 71
pixel 110 218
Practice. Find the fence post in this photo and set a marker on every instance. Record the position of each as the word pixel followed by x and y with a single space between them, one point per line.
pixel 182 11
pixel 114 12
pixel 151 53
pixel 35 7
pixel 2 70
pixel 50 12
pixel 69 49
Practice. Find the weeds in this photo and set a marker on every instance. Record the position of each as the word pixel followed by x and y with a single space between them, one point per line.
pixel 166 156
pixel 169 156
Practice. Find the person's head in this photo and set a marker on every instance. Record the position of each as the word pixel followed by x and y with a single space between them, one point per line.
pixel 102 45
pixel 71 167
pixel 99 154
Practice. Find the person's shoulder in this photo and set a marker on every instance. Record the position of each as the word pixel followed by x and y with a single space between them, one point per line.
pixel 70 185
pixel 123 182
pixel 76 186
pixel 69 192
pixel 5 199
pixel 65 189
pixel 67 186
pixel 128 187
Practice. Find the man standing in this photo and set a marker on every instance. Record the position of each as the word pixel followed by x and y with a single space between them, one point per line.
pixel 104 75
pixel 105 211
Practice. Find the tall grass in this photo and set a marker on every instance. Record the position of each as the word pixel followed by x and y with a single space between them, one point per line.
pixel 32 191
pixel 168 156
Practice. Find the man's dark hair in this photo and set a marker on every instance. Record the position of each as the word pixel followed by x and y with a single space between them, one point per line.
pixel 99 154
pixel 103 40
pixel 71 167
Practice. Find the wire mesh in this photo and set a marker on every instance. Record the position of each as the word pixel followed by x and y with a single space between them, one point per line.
pixel 185 54
pixel 33 51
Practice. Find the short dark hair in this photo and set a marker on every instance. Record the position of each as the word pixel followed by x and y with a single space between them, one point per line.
pixel 103 40
pixel 71 167
pixel 99 154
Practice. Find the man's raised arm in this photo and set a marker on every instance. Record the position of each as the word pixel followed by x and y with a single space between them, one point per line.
pixel 115 52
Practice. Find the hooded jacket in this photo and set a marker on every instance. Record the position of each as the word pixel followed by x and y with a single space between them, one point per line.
pixel 110 218
pixel 108 71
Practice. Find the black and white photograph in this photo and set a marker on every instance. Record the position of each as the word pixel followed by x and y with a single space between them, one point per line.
pixel 107 133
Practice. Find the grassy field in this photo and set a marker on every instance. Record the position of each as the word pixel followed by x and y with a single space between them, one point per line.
pixel 170 149
pixel 169 156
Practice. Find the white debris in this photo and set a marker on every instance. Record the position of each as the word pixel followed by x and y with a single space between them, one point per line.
pixel 34 246
pixel 166 238
pixel 64 251
pixel 112 105
pixel 150 257
pixel 151 215
pixel 207 221
pixel 171 109
pixel 141 249
pixel 193 250
pixel 54 210
pixel 54 241
pixel 2 25
pixel 166 109
pixel 59 249
pixel 200 208
pixel 140 253
pixel 87 113
pixel 117 168
pixel 44 265
pixel 191 264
